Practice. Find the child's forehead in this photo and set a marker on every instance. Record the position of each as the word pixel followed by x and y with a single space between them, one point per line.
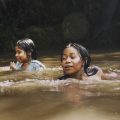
pixel 19 48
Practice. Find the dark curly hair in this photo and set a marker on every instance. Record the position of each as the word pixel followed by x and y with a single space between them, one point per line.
pixel 28 46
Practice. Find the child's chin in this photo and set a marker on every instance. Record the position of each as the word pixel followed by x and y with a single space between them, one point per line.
pixel 19 61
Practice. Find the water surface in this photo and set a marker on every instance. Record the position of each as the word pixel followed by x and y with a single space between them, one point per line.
pixel 41 96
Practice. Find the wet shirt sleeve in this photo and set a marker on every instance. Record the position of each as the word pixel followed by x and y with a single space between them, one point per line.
pixel 36 66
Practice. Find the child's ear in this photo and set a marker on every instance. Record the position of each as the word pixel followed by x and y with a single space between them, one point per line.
pixel 83 61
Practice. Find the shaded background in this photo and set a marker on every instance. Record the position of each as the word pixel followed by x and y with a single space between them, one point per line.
pixel 52 23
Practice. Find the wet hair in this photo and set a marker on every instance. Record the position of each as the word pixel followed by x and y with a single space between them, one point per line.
pixel 28 46
pixel 85 56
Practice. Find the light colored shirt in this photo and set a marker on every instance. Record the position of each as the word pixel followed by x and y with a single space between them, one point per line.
pixel 34 65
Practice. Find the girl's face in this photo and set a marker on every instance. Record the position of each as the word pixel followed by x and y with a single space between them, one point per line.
pixel 21 55
pixel 72 62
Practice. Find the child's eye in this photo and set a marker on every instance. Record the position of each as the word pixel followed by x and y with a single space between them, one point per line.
pixel 18 52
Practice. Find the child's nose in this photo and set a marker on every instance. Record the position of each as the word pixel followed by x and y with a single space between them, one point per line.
pixel 16 54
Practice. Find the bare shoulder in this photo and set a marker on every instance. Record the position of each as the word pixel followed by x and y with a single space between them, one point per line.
pixel 97 76
pixel 100 71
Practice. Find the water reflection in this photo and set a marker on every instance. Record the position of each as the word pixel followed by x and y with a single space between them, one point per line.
pixel 53 106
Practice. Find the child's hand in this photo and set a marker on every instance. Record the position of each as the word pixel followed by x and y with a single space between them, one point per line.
pixel 12 66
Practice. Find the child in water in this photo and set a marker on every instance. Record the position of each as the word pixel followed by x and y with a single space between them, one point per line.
pixel 76 60
pixel 26 56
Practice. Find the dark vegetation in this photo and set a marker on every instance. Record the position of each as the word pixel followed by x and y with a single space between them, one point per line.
pixel 52 23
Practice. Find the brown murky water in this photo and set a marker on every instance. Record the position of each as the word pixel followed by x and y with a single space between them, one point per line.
pixel 40 96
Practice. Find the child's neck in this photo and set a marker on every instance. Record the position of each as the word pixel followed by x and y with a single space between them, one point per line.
pixel 26 64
